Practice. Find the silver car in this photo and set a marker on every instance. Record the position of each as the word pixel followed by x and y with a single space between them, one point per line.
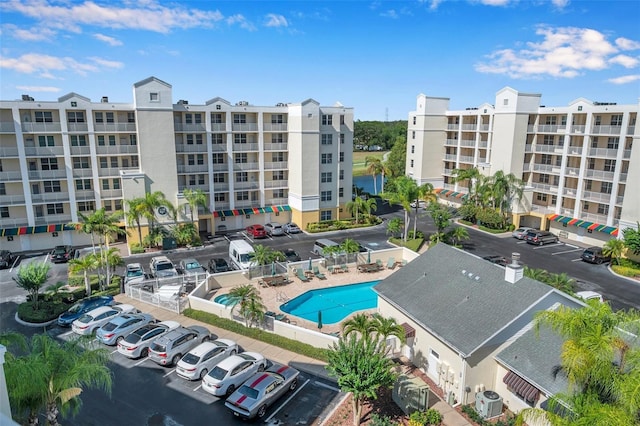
pixel 136 344
pixel 274 229
pixel 521 232
pixel 115 330
pixel 168 349
pixel 230 373
pixel 88 323
pixel 291 228
pixel 197 363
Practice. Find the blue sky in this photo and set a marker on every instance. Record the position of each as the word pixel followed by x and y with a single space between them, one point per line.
pixel 375 56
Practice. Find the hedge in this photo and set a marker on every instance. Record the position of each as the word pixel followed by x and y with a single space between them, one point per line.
pixel 413 244
pixel 258 334
pixel 47 311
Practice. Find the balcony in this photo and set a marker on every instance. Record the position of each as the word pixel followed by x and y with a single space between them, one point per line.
pixel 277 201
pixel 203 187
pixel 11 200
pixel 546 148
pixel 192 168
pixel 546 168
pixel 483 144
pixel 43 151
pixel 619 200
pixel 623 177
pixel 468 142
pixel 546 188
pixel 447 172
pixel 276 183
pixel 49 174
pixel 469 127
pixel 528 148
pixel 275 127
pixel 451 157
pixel 276 146
pixel 41 127
pixel 597 196
pixel 466 159
pixel 570 192
pixel 246 204
pixel 111 193
pixel 245 166
pixel 245 185
pixel 13 223
pixel 7 127
pixel 603 153
pixel 77 127
pixel 220 187
pixel 220 167
pixel 608 130
pixel 114 127
pixel 600 175
pixel 181 147
pixel 631 130
pixel 218 127
pixel 84 195
pixel 550 128
pixel 453 126
pixel 53 219
pixel 484 127
pixel 219 147
pixel 543 209
pixel 572 171
pixel 451 142
pixel 80 150
pixel 8 152
pixel 579 129
pixel 276 165
pixel 50 197
pixel 244 127
pixel 10 176
pixel 82 172
pixel 575 150
pixel 108 171
pixel 221 205
pixel 626 154
pixel 191 127
pixel 593 217
pixel 244 147
pixel 117 149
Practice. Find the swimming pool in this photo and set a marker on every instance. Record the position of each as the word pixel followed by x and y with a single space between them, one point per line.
pixel 336 303
pixel 223 299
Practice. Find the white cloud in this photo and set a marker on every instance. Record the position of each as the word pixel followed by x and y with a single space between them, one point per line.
pixel 31 34
pixel 626 44
pixel 560 4
pixel 389 14
pixel 147 15
pixel 274 20
pixel 111 41
pixel 495 2
pixel 625 79
pixel 39 88
pixel 47 65
pixel 563 52
pixel 107 63
pixel 241 21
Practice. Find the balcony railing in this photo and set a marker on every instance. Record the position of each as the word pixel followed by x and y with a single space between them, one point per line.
pixel 449 187
pixel 48 197
pixel 603 152
pixel 572 171
pixel 472 126
pixel 466 159
pixel 41 127
pixel 593 217
pixel 114 127
pixel 611 130
pixel 194 168
pixel 83 195
pixel 546 148
pixel 204 187
pixel 579 129
pixel 44 151
pixel 220 167
pixel 12 175
pixel 451 142
pixel 190 127
pixel 467 142
pixel 48 174
pixel 275 127
pixel 245 185
pixel 218 127
pixel 542 209
pixel 570 192
pixel 631 130
pixel 245 166
pixel 276 183
pixel 599 174
pixel 451 157
pixel 13 223
pixel 447 172
pixel 619 199
pixel 276 146
pixel 7 127
pixel 246 204
pixel 453 126
pixel 82 172
pixel 528 148
pixel 626 153
pixel 239 147
pixel 244 127
pixel 623 177
pixel 222 205
pixel 52 219
pixel 220 186
pixel 111 193
pixel 537 167
pixel 11 199
pixel 484 127
pixel 108 171
pixel 117 149
pixel 8 152
pixel 80 150
pixel 276 165
pixel 575 150
pixel 278 201
pixel 77 127
pixel 199 147
pixel 543 187
pixel 219 147
pixel 597 196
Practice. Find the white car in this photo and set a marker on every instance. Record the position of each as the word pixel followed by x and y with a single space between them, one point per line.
pixel 91 321
pixel 521 232
pixel 232 372
pixel 419 203
pixel 590 295
pixel 274 229
pixel 199 360
pixel 136 344
pixel 134 273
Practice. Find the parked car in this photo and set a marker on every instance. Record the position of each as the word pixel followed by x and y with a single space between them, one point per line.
pixel 91 321
pixel 230 373
pixel 274 229
pixel 589 295
pixel 136 344
pixel 291 228
pixel 594 255
pixel 540 237
pixel 199 360
pixel 168 349
pixel 192 268
pixel 291 255
pixel 262 390
pixel 6 259
pixel 419 203
pixel 218 265
pixel 162 267
pixel 62 254
pixel 82 307
pixel 521 232
pixel 256 231
pixel 498 260
pixel 134 273
pixel 116 329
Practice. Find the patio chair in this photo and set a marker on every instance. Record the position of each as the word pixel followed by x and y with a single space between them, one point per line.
pixel 331 269
pixel 379 263
pixel 318 274
pixel 391 263
pixel 301 276
pixel 344 267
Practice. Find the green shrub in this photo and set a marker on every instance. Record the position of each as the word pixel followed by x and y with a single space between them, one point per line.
pixel 626 271
pixel 136 248
pixel 47 311
pixel 492 230
pixel 411 244
pixel 377 420
pixel 255 333
pixel 425 418
pixel 419 234
pixel 490 218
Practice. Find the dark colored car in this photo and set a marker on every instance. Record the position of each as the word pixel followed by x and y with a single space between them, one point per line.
pixel 291 255
pixel 6 259
pixel 498 260
pixel 256 231
pixel 82 307
pixel 218 265
pixel 594 255
pixel 540 237
pixel 62 254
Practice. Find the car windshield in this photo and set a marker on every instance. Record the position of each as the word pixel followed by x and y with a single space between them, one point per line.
pixel 134 273
pixel 59 251
pixel 247 257
pixel 156 347
pixel 132 338
pixel 191 359
pixel 109 326
pixel 192 265
pixel 249 392
pixel 85 318
pixel 163 266
pixel 75 308
pixel 218 373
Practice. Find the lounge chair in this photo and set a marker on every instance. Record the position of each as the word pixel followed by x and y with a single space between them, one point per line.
pixel 344 268
pixel 301 276
pixel 391 263
pixel 331 269
pixel 379 263
pixel 318 274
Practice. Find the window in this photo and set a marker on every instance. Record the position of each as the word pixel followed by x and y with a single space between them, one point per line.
pixel 505 102
pixel 326 158
pixel 413 149
pixel 217 158
pixel 277 138
pixel 279 193
pixel 49 163
pixel 200 159
pixel 547 140
pixel 327 139
pixel 191 160
pixel 543 178
pixel 99 117
pixel 220 196
pixel 241 158
pixel 327 120
pixel 216 139
pixel 278 175
pixel 594 142
pixel 83 184
pixel 239 118
pixel 55 208
pixel 216 118
pixel 105 184
pixel 341 157
pixel 3 189
pixel 612 143
pixel 4 212
pixel 76 116
pixel 240 138
pixel 86 206
pixel 413 134
pixel 325 215
pixel 341 192
pixel 609 165
pixel 411 163
pixel 563 120
pixel 342 119
pixel 541 197
pixel 341 174
pixel 588 185
pixel 242 196
pixel 341 138
pixel 51 186
pixel 131 117
pixel 192 180
pixel 189 139
pixel 200 179
pixel 606 187
pixel 104 163
pixel 133 140
pixel 197 118
pixel 554 199
pixel 550 120
pixel 218 177
pixel 325 177
pixel 277 119
pixel 277 157
pixel 188 119
pixel 603 209
pixel 545 159
pixel 414 120
pixel 154 97
pixel 44 117
pixel 558 161
pixel 100 140
pixel 592 163
pixel 597 120
pixel 585 206
pixel 616 120
pixel 109 117
pixel 242 177
pixel 114 162
pixel 556 180
pixel 112 140
pixel 46 141
pixel 325 195
pixel 78 140
pixel 106 205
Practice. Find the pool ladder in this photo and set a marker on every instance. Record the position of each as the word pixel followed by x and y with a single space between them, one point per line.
pixel 281 297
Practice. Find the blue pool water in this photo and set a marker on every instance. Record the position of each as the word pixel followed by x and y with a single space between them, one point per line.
pixel 336 303
pixel 222 299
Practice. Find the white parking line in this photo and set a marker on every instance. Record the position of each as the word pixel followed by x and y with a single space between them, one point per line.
pixel 285 403
pixel 572 246
pixel 521 242
pixel 141 361
pixel 199 386
pixel 66 333
pixel 547 246
pixel 566 251
pixel 169 372
pixel 114 352
pixel 577 260
pixel 324 385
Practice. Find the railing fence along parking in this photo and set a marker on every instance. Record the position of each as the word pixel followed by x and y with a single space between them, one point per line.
pixel 168 293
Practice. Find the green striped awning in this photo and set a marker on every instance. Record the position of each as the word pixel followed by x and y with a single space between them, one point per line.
pixel 250 211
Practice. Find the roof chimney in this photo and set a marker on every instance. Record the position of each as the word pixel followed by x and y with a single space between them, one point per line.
pixel 514 271
pixel 105 99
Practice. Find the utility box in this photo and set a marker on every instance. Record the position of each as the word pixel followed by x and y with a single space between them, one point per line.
pixel 169 243
pixel 411 394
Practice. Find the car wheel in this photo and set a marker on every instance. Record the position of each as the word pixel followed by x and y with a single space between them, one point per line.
pixel 144 353
pixel 203 373
pixel 293 384
pixel 599 261
pixel 176 359
pixel 261 368
pixel 119 339
pixel 262 411
pixel 230 390
pixel 540 243
pixel 206 339
pixel 233 352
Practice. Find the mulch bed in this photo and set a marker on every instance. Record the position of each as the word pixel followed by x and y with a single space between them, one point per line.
pixel 383 406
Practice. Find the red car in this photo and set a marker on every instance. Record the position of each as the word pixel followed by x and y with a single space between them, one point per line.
pixel 256 231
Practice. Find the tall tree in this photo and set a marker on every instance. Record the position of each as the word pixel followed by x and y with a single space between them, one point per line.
pixel 383 328
pixel 614 248
pixel 632 239
pixel 355 207
pixel 359 323
pixel 397 158
pixel 195 198
pixel 247 298
pixel 441 218
pixel 403 191
pixel 134 213
pixel 350 246
pixel 112 259
pixel 150 203
pixel 374 167
pixel 50 375
pixel 505 189
pixel 361 369
pixel 425 193
pixel 264 255
pixel 394 226
pixel 470 176
pixel 31 277
pixel 84 266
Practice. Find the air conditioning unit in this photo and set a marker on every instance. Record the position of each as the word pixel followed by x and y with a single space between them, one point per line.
pixel 488 404
pixel 242 103
pixel 411 394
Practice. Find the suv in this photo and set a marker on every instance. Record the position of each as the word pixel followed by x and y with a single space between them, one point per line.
pixel 6 259
pixel 274 229
pixel 134 273
pixel 538 237
pixel 162 267
pixel 191 268
pixel 62 254
pixel 594 255
pixel 169 348
pixel 218 265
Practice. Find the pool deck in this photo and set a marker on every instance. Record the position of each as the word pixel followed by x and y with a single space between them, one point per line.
pixel 273 297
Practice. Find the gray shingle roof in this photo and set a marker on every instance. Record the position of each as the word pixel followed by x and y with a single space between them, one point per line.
pixel 458 308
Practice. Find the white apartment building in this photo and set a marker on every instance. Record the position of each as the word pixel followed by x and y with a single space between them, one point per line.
pixel 578 162
pixel 256 164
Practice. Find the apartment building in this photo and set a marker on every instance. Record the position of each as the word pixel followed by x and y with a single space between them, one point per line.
pixel 578 162
pixel 256 164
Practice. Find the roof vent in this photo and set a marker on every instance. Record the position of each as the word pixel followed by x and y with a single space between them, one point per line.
pixel 514 271
pixel 27 98
pixel 104 99
pixel 280 104
pixel 242 103
pixel 183 102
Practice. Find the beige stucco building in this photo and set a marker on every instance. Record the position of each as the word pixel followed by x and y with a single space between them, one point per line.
pixel 577 161
pixel 256 164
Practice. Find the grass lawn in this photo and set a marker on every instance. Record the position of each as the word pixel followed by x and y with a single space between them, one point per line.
pixel 359 168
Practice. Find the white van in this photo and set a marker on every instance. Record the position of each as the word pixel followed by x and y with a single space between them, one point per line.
pixel 319 245
pixel 241 254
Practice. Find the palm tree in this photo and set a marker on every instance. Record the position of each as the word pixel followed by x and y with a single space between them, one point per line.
pixel 150 203
pixel 506 188
pixel 134 212
pixel 425 192
pixel 354 207
pixel 112 259
pixel 83 266
pixel 359 323
pixel 247 298
pixel 471 175
pixel 374 167
pixel 253 311
pixel 368 206
pixel 457 234
pixel 536 274
pixel 264 255
pixel 195 199
pixel 383 328
pixel 350 246
pixel 405 191
pixel 561 281
pixel 614 248
pixel 185 233
pixel 51 375
pixel 31 277
pixel 55 289
pixel 394 226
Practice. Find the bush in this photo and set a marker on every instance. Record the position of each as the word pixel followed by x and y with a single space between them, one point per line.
pixel 419 234
pixel 136 248
pixel 411 244
pixel 626 271
pixel 255 333
pixel 377 420
pixel 490 218
pixel 425 418
pixel 47 311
